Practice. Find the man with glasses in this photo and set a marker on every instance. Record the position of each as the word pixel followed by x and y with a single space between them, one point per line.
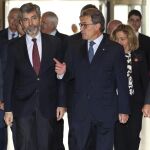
pixel 98 68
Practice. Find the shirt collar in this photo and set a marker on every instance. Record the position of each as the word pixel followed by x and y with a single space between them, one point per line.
pixel 29 38
pixel 10 33
pixel 53 33
pixel 97 40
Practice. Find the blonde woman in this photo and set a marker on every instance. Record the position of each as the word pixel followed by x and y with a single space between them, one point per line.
pixel 127 135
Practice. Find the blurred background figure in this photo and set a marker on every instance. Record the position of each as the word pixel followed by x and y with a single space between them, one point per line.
pixel 49 22
pixel 74 28
pixel 127 135
pixel 135 20
pixel 11 31
pixel 112 25
pixel 6 35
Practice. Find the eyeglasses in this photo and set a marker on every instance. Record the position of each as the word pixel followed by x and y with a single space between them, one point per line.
pixel 85 25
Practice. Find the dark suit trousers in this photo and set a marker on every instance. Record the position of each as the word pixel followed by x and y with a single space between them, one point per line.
pixel 3 138
pixel 84 135
pixel 127 135
pixel 59 135
pixel 35 133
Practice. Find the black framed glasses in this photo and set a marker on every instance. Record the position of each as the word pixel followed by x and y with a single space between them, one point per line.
pixel 85 25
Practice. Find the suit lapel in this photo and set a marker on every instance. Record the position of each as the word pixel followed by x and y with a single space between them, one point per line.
pixel 45 55
pixel 26 55
pixel 25 50
pixel 84 50
pixel 101 50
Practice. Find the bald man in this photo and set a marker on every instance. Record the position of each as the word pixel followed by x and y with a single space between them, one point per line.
pixel 112 25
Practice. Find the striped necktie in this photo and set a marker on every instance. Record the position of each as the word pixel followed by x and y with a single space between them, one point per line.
pixel 91 51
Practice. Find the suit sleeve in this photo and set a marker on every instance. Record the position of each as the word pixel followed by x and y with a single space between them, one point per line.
pixel 144 73
pixel 1 81
pixel 61 84
pixel 9 79
pixel 147 97
pixel 122 82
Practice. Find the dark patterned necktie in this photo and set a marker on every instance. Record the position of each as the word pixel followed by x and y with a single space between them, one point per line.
pixel 13 36
pixel 35 57
pixel 91 51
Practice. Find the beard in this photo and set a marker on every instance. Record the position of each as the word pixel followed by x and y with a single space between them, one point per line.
pixel 32 30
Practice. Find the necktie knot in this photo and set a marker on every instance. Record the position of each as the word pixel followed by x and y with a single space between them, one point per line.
pixel 34 40
pixel 92 43
pixel 13 35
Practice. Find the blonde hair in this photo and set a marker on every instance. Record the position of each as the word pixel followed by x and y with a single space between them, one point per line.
pixel 128 30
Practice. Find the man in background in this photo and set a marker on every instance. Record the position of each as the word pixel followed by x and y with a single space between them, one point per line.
pixel 49 22
pixel 135 20
pixel 11 32
pixel 112 25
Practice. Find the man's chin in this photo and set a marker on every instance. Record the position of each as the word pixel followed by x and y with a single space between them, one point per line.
pixel 32 34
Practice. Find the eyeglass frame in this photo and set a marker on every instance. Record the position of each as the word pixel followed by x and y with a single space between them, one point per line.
pixel 85 25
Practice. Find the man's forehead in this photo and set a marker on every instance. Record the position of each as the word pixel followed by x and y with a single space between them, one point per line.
pixel 30 14
pixel 85 18
pixel 134 17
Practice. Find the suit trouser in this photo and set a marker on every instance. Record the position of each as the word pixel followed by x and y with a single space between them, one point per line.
pixel 35 132
pixel 85 135
pixel 59 135
pixel 3 138
pixel 127 135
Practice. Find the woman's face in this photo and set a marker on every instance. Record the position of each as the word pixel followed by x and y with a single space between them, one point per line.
pixel 122 39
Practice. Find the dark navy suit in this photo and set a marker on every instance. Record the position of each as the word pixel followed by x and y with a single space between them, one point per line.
pixel 145 47
pixel 95 104
pixel 4 34
pixel 2 124
pixel 60 125
pixel 25 93
pixel 127 136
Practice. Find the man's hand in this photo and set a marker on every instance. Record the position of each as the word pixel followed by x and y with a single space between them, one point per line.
pixel 8 117
pixel 60 112
pixel 146 110
pixel 123 118
pixel 1 105
pixel 60 68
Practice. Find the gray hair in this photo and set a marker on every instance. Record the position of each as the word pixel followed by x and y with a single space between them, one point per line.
pixel 96 16
pixel 52 17
pixel 13 10
pixel 29 7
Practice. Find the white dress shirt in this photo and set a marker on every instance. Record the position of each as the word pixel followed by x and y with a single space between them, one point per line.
pixel 10 34
pixel 53 33
pixel 29 43
pixel 97 43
